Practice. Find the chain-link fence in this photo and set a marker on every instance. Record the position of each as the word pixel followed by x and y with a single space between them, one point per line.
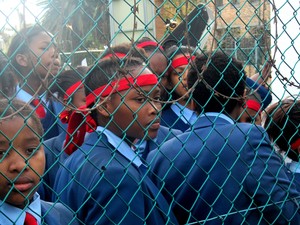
pixel 149 112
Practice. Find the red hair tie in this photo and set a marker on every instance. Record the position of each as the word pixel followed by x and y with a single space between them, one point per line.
pixel 81 121
pixel 181 61
pixel 65 116
pixel 117 54
pixel 254 105
pixel 149 43
pixel 295 144
pixel 72 89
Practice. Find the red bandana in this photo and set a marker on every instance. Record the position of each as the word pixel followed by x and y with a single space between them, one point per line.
pixel 295 144
pixel 81 121
pixel 149 43
pixel 254 105
pixel 181 61
pixel 116 54
pixel 65 116
pixel 121 85
pixel 72 89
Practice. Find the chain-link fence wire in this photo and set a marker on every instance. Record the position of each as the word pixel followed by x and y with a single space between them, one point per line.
pixel 86 33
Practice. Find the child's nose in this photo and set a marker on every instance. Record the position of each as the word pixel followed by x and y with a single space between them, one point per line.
pixel 53 52
pixel 155 107
pixel 18 162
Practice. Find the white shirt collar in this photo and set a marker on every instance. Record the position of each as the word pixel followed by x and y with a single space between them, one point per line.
pixel 26 97
pixel 121 146
pixel 11 215
pixel 294 166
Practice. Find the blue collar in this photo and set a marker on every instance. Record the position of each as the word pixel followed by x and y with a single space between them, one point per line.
pixel 26 97
pixel 187 115
pixel 120 145
pixel 294 166
pixel 11 215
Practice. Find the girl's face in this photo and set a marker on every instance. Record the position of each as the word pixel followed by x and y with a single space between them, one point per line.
pixel 134 113
pixel 22 161
pixel 43 55
pixel 178 78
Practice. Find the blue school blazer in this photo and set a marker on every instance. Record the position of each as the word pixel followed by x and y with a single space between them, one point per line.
pixel 224 173
pixel 54 158
pixel 104 187
pixel 164 134
pixel 57 214
pixel 170 119
pixel 51 123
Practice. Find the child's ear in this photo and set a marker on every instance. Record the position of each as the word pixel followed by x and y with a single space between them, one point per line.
pixel 104 108
pixel 22 60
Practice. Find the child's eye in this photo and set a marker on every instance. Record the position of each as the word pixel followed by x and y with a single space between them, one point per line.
pixel 141 100
pixel 157 98
pixel 3 153
pixel 31 151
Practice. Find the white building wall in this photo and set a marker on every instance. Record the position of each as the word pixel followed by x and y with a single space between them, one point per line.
pixel 288 43
pixel 122 20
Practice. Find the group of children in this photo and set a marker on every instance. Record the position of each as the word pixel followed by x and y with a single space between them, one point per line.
pixel 145 135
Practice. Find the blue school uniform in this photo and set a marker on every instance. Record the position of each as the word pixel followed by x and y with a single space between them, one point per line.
pixel 225 173
pixel 51 123
pixel 164 134
pixel 178 117
pixel 105 182
pixel 54 158
pixel 44 212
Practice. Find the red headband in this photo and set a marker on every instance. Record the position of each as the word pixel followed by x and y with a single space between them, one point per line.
pixel 116 54
pixel 295 144
pixel 81 121
pixel 122 84
pixel 72 89
pixel 149 43
pixel 181 61
pixel 254 105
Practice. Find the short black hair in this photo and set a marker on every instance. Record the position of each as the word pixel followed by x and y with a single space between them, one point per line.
pixel 19 108
pixel 225 75
pixel 282 124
